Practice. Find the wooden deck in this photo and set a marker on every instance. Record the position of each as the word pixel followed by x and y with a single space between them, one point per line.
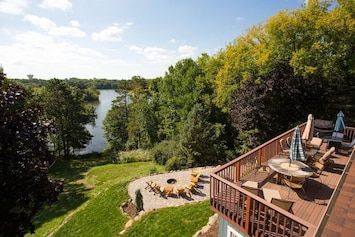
pixel 317 211
pixel 310 204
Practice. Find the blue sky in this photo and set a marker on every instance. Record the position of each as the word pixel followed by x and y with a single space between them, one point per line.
pixel 119 39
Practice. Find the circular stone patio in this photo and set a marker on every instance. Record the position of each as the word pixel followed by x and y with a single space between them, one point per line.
pixel 153 201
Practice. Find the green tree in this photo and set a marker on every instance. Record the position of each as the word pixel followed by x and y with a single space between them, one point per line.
pixel 115 126
pixel 201 140
pixel 65 107
pixel 24 161
pixel 130 122
pixel 173 96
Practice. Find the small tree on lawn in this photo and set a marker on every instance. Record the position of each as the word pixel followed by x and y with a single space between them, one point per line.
pixel 138 201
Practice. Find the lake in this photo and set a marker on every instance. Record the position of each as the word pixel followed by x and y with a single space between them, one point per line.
pixel 98 143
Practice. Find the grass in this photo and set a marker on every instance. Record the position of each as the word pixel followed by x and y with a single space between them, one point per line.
pixel 176 221
pixel 94 190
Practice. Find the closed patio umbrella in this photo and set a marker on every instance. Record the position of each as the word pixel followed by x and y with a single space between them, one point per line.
pixel 308 131
pixel 339 123
pixel 296 149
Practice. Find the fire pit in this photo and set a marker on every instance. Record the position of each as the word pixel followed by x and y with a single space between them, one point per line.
pixel 171 181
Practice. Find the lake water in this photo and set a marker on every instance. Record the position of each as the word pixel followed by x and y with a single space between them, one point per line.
pixel 98 143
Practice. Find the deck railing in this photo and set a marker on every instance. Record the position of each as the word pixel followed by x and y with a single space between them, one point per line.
pixel 247 211
pixel 349 133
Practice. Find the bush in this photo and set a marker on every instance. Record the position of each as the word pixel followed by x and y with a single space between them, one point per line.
pixel 164 150
pixel 138 201
pixel 134 156
pixel 175 163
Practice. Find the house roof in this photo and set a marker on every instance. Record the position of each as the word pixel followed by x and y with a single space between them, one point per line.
pixel 341 219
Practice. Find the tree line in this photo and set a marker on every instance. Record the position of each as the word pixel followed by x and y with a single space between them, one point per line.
pixel 209 110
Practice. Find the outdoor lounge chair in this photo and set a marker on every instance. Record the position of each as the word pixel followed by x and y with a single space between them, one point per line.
pixel 316 142
pixel 196 172
pixel 182 190
pixel 284 204
pixel 347 146
pixel 254 191
pixel 288 141
pixel 191 187
pixel 283 146
pixel 294 182
pixel 324 159
pixel 318 169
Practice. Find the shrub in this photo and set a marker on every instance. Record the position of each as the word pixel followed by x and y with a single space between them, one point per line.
pixel 134 156
pixel 138 201
pixel 164 150
pixel 175 163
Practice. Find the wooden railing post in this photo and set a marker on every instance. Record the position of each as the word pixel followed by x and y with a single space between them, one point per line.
pixel 247 214
pixel 237 172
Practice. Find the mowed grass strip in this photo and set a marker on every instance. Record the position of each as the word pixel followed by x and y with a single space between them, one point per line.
pixel 89 206
pixel 179 221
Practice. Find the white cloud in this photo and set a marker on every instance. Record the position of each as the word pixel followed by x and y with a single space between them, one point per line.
pixel 160 55
pixel 41 22
pixel 52 29
pixel 173 41
pixel 187 51
pixel 41 55
pixel 111 33
pixel 61 4
pixel 14 7
pixel 154 54
pixel 74 23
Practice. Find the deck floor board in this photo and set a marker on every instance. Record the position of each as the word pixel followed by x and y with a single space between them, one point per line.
pixel 311 204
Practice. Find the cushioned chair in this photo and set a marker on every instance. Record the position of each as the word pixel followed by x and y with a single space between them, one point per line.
pixel 347 146
pixel 324 159
pixel 316 142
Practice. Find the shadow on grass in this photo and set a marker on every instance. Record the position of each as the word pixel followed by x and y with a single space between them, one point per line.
pixel 75 193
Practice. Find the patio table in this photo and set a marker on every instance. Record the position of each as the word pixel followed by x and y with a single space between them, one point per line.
pixel 289 168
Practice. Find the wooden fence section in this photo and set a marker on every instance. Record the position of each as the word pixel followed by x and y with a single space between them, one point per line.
pixel 253 214
pixel 236 169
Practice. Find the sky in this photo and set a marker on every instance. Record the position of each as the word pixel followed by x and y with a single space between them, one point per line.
pixel 119 39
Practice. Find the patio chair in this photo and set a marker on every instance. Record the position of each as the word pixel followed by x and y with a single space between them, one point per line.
pixel 182 190
pixel 282 203
pixel 318 169
pixel 191 187
pixel 326 157
pixel 254 191
pixel 294 182
pixel 347 146
pixel 196 172
pixel 283 146
pixel 151 185
pixel 288 141
pixel 316 142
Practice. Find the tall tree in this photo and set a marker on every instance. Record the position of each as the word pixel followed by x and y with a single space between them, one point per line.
pixel 202 141
pixel 24 161
pixel 175 95
pixel 65 107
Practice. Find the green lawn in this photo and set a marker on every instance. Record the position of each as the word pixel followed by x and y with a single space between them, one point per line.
pixel 94 190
